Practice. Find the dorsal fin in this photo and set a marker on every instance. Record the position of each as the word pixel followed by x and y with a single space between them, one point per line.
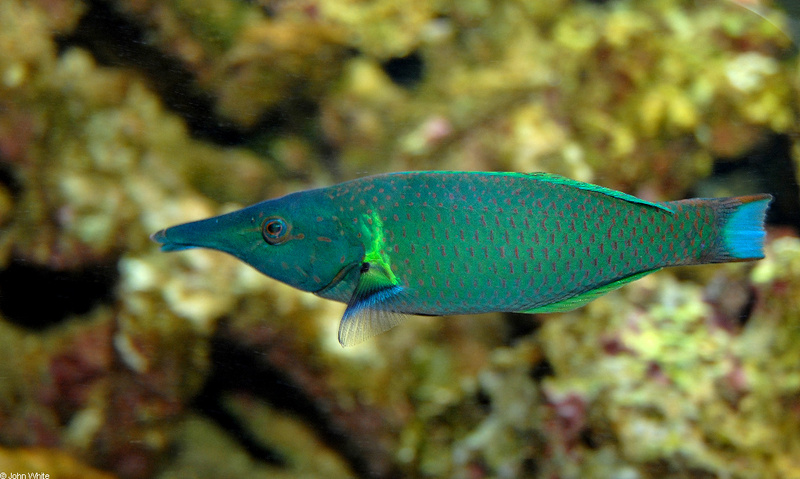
pixel 370 310
pixel 561 180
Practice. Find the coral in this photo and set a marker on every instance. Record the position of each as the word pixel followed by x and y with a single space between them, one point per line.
pixel 250 63
pixel 667 102
pixel 206 448
pixel 524 105
pixel 86 151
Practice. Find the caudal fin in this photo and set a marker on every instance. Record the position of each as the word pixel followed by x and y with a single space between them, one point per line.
pixel 742 225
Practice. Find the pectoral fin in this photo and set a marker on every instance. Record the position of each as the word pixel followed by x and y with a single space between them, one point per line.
pixel 583 298
pixel 371 309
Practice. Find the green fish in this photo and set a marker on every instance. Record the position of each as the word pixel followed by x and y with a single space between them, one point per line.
pixel 440 243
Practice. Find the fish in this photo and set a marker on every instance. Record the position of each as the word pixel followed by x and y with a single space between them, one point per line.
pixel 438 243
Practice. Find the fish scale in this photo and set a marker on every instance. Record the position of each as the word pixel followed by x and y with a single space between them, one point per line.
pixel 543 239
pixel 440 243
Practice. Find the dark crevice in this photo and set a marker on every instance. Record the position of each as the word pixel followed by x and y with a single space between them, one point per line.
pixel 407 71
pixel 211 408
pixel 266 7
pixel 520 325
pixel 542 369
pixel 36 297
pixel 9 180
pixel 530 468
pixel 270 385
pixel 588 438
pixel 747 310
pixel 766 168
pixel 228 360
pixel 484 400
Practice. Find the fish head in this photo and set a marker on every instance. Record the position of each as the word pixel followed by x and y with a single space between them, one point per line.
pixel 295 239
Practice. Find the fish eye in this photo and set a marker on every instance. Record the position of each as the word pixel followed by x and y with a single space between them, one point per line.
pixel 275 230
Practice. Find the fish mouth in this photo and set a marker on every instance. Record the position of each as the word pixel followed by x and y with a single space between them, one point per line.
pixel 160 237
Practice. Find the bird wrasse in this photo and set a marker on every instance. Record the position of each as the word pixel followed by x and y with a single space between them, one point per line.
pixel 442 243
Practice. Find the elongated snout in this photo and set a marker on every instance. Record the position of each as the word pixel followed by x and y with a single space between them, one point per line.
pixel 229 233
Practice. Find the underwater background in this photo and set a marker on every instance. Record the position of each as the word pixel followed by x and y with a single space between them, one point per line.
pixel 121 117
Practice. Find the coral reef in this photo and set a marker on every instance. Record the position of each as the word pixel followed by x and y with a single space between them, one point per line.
pixel 119 358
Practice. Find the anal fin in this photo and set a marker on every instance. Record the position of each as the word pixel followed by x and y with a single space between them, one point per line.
pixel 370 310
pixel 579 300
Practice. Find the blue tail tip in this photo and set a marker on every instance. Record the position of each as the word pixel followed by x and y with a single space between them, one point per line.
pixel 744 232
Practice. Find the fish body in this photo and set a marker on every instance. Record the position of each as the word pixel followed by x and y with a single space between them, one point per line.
pixel 441 243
